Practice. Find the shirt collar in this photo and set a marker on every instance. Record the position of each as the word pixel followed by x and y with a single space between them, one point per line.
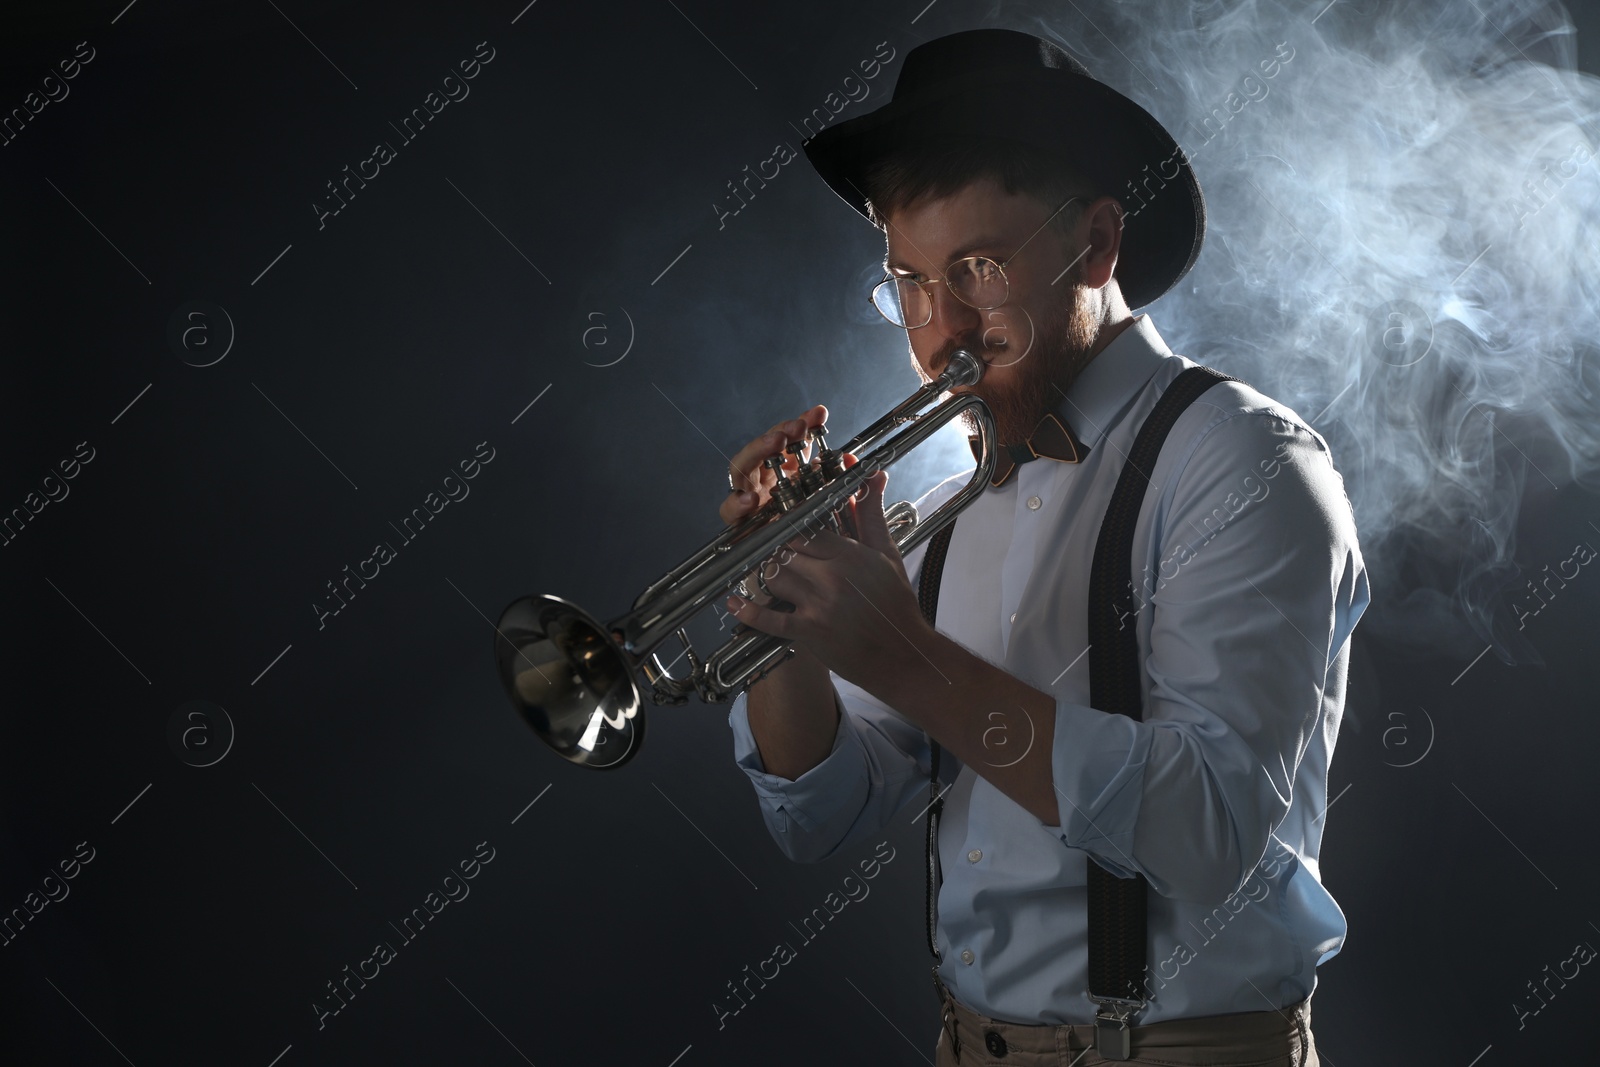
pixel 1112 378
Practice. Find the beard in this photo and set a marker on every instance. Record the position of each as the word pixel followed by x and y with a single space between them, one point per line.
pixel 1060 348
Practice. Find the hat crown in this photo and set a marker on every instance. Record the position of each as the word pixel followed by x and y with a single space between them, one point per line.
pixel 993 52
pixel 996 84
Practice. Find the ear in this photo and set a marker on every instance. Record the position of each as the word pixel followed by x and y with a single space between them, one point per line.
pixel 1102 229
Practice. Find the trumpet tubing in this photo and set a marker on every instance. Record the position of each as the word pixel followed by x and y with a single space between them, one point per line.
pixel 573 679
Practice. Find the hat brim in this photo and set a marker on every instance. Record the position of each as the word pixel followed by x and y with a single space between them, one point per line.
pixel 1116 143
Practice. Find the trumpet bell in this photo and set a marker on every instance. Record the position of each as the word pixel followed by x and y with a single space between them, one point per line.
pixel 569 681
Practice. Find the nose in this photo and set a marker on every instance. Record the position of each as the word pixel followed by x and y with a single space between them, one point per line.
pixel 953 324
pixel 952 319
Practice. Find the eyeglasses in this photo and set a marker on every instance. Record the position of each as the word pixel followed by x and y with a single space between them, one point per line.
pixel 977 281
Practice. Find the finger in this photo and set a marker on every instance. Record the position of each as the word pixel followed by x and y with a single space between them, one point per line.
pixel 824 545
pixel 869 517
pixel 850 460
pixel 799 428
pixel 799 541
pixel 847 520
pixel 787 579
pixel 805 422
pixel 736 505
pixel 744 466
pixel 748 480
pixel 851 524
pixel 766 620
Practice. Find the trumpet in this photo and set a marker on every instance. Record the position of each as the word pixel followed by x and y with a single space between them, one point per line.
pixel 573 679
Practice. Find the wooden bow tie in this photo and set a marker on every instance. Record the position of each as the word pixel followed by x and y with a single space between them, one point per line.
pixel 1050 440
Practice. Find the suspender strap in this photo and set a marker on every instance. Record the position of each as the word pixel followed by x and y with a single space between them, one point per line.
pixel 1114 670
pixel 1118 906
pixel 928 599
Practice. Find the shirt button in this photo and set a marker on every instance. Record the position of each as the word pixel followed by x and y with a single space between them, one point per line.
pixel 975 855
pixel 966 955
pixel 1013 616
pixel 1034 503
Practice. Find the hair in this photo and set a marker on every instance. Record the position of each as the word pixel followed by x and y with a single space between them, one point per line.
pixel 929 169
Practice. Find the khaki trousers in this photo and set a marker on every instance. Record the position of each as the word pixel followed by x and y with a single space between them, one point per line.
pixel 1280 1038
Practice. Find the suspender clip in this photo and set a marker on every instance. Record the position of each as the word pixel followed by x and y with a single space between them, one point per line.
pixel 1113 1029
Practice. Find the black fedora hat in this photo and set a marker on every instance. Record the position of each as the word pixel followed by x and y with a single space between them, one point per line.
pixel 996 83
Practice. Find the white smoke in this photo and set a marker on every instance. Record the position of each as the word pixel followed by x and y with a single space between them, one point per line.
pixel 1401 246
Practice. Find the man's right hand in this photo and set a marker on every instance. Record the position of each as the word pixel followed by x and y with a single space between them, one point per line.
pixel 752 483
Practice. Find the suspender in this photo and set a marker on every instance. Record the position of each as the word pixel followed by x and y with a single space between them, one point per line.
pixel 928 599
pixel 1117 906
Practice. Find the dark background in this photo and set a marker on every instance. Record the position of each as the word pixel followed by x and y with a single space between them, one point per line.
pixel 378 750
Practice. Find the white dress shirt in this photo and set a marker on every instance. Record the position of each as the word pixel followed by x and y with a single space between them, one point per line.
pixel 1252 582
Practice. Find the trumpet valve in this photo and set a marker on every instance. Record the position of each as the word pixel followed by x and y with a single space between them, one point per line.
pixel 785 492
pixel 831 464
pixel 801 482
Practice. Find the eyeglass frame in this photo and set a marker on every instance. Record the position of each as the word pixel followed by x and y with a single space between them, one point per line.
pixel 944 276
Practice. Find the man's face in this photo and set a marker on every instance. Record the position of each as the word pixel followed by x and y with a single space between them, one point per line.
pixel 1032 344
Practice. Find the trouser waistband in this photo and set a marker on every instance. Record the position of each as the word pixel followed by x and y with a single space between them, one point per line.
pixel 1268 1034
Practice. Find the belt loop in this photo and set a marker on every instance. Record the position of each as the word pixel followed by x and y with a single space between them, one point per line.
pixel 947 1013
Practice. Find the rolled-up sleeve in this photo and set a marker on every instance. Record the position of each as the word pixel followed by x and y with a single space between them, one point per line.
pixel 1255 583
pixel 878 761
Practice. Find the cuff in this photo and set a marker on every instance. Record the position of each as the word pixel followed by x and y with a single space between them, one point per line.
pixel 836 784
pixel 1098 765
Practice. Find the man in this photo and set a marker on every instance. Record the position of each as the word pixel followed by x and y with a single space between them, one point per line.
pixel 1022 223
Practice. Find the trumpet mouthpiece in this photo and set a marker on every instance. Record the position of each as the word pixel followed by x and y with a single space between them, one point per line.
pixel 964 368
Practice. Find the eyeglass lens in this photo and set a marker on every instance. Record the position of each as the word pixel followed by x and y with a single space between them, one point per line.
pixel 976 281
